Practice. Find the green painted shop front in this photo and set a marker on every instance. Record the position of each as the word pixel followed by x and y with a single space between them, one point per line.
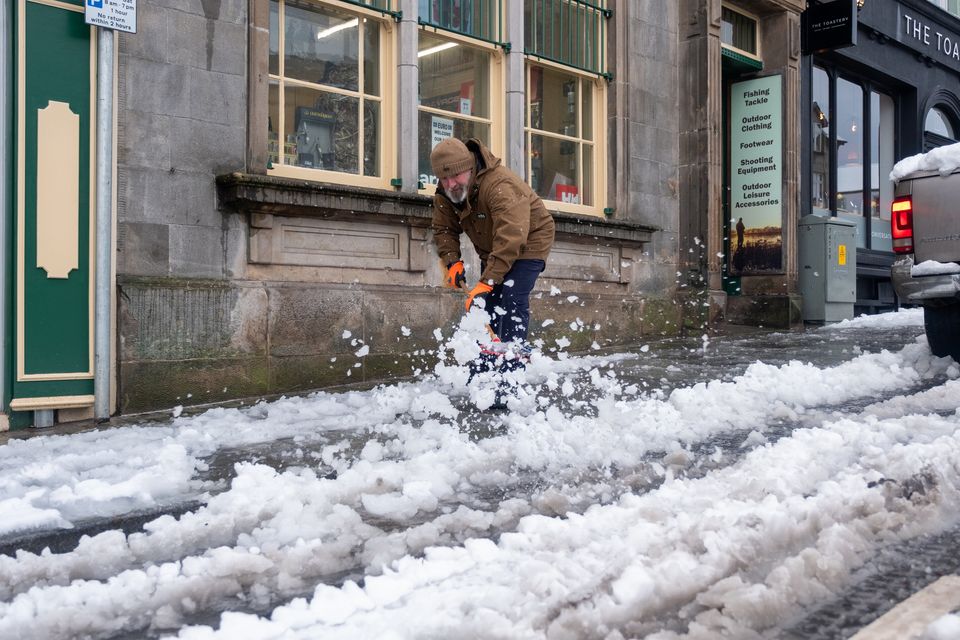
pixel 49 265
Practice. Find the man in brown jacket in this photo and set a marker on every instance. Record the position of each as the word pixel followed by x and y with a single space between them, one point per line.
pixel 507 222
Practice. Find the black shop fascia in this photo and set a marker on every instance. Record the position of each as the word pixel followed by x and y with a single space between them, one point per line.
pixel 892 94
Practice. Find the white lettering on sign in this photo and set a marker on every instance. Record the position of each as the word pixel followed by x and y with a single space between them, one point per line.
pixel 945 43
pixel 120 15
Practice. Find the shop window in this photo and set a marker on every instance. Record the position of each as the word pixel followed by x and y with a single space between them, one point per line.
pixel 327 91
pixel 561 145
pixel 820 143
pixel 738 31
pixel 881 188
pixel 565 88
pixel 456 89
pixel 849 124
pixel 852 147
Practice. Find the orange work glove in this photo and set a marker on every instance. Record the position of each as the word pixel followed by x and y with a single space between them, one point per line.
pixel 481 289
pixel 455 278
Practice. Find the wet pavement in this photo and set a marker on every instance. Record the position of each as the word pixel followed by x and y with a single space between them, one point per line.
pixel 664 365
pixel 892 576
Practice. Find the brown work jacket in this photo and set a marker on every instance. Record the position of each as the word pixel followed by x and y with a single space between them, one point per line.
pixel 502 216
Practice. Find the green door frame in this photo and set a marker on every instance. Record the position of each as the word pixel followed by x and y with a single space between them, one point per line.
pixel 7 76
pixel 49 359
pixel 733 66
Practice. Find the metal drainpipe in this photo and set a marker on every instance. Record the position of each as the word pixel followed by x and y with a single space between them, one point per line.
pixel 103 285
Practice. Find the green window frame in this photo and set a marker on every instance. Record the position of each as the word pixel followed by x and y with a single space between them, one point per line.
pixel 477 19
pixel 386 7
pixel 568 32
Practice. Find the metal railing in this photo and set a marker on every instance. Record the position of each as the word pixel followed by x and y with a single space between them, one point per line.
pixel 568 32
pixel 385 7
pixel 480 19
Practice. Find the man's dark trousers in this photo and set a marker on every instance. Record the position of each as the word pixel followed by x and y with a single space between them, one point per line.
pixel 508 305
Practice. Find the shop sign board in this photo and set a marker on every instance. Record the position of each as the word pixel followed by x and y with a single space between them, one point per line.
pixel 829 26
pixel 756 176
pixel 936 41
pixel 120 15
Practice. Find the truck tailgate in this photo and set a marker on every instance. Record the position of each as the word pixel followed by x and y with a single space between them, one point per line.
pixel 936 218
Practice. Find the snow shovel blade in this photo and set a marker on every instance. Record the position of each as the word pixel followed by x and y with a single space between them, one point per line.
pixel 506 355
pixel 494 348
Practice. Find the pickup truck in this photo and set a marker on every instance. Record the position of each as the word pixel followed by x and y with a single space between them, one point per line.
pixel 925 224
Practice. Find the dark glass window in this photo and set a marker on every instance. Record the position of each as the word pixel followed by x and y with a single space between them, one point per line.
pixel 820 143
pixel 937 122
pixel 881 188
pixel 849 136
pixel 852 142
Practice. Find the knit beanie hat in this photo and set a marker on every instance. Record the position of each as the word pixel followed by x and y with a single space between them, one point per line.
pixel 451 157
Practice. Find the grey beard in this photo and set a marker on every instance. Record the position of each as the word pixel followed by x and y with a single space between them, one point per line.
pixel 458 199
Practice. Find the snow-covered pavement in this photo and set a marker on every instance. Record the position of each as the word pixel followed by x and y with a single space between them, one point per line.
pixel 666 493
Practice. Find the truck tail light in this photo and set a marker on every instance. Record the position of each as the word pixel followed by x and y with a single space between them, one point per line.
pixel 901 224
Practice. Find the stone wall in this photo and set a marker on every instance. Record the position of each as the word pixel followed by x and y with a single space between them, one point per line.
pixel 644 102
pixel 181 118
pixel 249 287
pixel 194 342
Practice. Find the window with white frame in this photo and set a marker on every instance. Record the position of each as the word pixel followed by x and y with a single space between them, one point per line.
pixel 329 91
pixel 565 91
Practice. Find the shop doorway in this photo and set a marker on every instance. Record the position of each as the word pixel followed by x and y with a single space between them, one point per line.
pixel 734 68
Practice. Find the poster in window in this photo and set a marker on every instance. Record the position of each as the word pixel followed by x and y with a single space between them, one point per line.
pixel 441 128
pixel 315 131
pixel 466 98
pixel 568 193
pixel 756 177
pixel 562 187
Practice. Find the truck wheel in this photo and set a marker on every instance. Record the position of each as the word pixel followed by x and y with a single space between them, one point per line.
pixel 942 325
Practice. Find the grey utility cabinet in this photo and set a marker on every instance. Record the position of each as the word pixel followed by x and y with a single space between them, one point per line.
pixel 828 268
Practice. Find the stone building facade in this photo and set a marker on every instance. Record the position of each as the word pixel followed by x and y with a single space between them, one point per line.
pixel 272 187
pixel 240 274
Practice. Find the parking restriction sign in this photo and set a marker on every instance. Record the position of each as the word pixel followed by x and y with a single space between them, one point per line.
pixel 112 14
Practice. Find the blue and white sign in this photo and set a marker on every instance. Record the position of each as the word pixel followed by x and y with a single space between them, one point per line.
pixel 120 15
